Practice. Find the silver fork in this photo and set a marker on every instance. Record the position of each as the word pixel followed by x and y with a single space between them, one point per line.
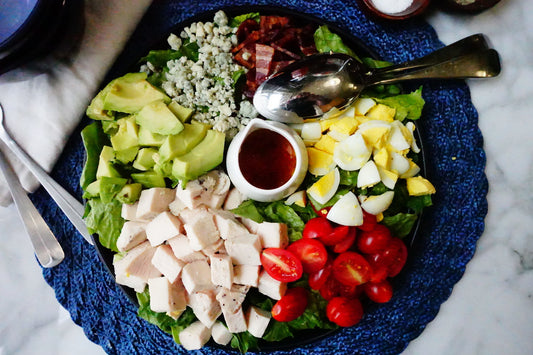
pixel 46 247
pixel 72 208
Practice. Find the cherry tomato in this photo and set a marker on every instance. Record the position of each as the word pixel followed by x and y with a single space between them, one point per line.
pixel 393 257
pixel 375 240
pixel 351 269
pixel 291 305
pixel 281 264
pixel 330 289
pixel 350 291
pixel 318 279
pixel 347 242
pixel 380 292
pixel 379 272
pixel 311 253
pixel 317 227
pixel 344 312
pixel 369 222
pixel 338 234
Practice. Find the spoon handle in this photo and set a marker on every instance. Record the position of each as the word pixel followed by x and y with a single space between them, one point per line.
pixel 72 208
pixel 482 64
pixel 47 248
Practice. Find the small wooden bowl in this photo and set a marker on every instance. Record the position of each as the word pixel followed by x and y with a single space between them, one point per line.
pixel 416 8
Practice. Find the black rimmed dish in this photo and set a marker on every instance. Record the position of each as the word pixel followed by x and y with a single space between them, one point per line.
pixel 128 64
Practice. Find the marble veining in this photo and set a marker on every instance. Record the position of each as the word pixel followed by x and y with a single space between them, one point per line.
pixel 490 310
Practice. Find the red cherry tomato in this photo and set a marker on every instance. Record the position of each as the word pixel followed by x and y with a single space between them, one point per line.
pixel 351 269
pixel 338 234
pixel 379 272
pixel 375 240
pixel 311 252
pixel 291 305
pixel 317 227
pixel 393 257
pixel 344 312
pixel 347 242
pixel 318 279
pixel 380 292
pixel 281 264
pixel 330 289
pixel 369 222
pixel 350 291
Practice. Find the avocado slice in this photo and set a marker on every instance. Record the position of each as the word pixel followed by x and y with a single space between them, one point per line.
pixel 157 118
pixel 130 193
pixel 130 93
pixel 105 163
pixel 149 179
pixel 127 135
pixel 96 109
pixel 127 155
pixel 92 190
pixel 145 159
pixel 205 156
pixel 181 143
pixel 109 187
pixel 181 112
pixel 149 139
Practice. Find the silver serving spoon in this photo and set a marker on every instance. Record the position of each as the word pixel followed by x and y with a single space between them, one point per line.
pixel 312 86
pixel 72 208
pixel 46 247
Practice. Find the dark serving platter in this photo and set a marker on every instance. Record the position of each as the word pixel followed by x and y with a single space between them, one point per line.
pixel 131 63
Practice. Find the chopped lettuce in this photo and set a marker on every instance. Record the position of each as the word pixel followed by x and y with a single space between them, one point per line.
pixel 104 218
pixel 93 140
pixel 408 106
pixel 327 41
pixel 237 20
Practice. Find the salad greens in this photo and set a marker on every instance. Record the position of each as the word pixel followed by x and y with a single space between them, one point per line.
pixel 327 41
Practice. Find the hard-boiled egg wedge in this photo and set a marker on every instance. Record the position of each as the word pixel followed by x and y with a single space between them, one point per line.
pixel 368 175
pixel 375 132
pixel 320 162
pixel 311 132
pixel 397 140
pixel 352 153
pixel 363 105
pixel 346 211
pixel 376 204
pixel 417 186
pixel 298 198
pixel 324 189
pixel 399 163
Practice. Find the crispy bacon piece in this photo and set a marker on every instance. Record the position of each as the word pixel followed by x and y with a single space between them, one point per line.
pixel 268 23
pixel 263 61
pixel 245 28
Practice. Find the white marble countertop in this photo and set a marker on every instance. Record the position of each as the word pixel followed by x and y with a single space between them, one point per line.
pixel 490 310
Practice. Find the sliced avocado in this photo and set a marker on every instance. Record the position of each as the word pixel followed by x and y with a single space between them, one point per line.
pixel 205 156
pixel 109 187
pixel 145 159
pixel 181 112
pixel 181 143
pixel 149 139
pixel 92 190
pixel 129 193
pixel 96 109
pixel 149 179
pixel 126 156
pixel 157 118
pixel 130 93
pixel 110 127
pixel 105 163
pixel 163 168
pixel 127 135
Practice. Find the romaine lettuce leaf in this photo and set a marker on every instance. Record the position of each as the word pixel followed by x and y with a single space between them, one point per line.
pixel 105 219
pixel 237 20
pixel 93 140
pixel 408 106
pixel 327 41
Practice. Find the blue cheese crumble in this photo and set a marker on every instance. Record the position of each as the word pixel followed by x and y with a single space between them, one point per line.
pixel 207 85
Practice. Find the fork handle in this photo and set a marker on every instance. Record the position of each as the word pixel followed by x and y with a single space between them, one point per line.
pixel 46 247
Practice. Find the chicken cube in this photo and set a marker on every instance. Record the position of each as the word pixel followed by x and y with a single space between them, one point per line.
pixel 216 248
pixel 273 235
pixel 220 334
pixel 234 199
pixel 195 336
pixel 201 231
pixel 221 270
pixel 167 263
pixel 135 268
pixel 132 234
pixel 216 185
pixel 231 299
pixel 228 226
pixel 235 321
pixel 166 296
pixel 205 307
pixel 270 287
pixel 250 224
pixel 176 207
pixel 154 201
pixel 257 321
pixel 196 276
pixel 244 249
pixel 191 194
pixel 129 211
pixel 246 274
pixel 183 251
pixel 162 228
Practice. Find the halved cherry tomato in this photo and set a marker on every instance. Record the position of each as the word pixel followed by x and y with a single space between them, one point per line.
pixel 318 279
pixel 338 234
pixel 347 242
pixel 281 264
pixel 350 291
pixel 291 305
pixel 369 222
pixel 380 292
pixel 351 269
pixel 375 240
pixel 393 257
pixel 317 227
pixel 344 312
pixel 330 289
pixel 311 252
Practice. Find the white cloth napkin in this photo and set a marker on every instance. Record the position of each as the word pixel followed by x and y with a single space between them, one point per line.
pixel 44 101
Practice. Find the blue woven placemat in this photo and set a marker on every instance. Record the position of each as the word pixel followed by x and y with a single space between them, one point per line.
pixel 446 241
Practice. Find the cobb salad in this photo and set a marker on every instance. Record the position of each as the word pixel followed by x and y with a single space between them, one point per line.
pixel 207 262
